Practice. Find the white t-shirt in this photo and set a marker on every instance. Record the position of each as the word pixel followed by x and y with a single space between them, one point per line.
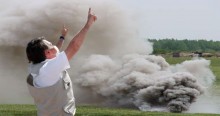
pixel 51 71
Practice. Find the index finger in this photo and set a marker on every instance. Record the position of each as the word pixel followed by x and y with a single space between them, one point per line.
pixel 89 11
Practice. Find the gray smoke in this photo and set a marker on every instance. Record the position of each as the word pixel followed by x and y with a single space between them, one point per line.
pixel 24 20
pixel 147 82
pixel 113 67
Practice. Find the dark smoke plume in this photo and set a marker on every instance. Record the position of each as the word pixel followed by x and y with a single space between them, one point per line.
pixel 143 81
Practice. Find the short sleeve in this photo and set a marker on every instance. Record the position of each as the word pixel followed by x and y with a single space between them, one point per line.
pixel 51 71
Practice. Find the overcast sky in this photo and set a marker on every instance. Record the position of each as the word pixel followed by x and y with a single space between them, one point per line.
pixel 179 19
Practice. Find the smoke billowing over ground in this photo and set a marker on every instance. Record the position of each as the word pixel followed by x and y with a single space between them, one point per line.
pixel 112 68
pixel 146 82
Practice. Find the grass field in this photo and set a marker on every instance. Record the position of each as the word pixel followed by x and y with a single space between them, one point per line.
pixel 30 110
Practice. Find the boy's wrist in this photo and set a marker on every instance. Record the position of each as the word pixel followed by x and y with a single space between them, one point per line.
pixel 62 37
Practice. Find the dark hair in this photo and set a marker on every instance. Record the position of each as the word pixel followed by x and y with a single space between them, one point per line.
pixel 35 50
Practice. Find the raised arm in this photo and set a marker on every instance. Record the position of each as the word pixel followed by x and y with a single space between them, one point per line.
pixel 62 37
pixel 77 41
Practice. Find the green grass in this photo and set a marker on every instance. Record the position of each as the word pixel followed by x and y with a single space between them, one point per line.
pixel 215 67
pixel 98 111
pixel 30 110
pixel 17 110
pixel 176 60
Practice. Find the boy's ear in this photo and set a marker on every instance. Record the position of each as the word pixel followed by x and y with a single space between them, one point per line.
pixel 46 52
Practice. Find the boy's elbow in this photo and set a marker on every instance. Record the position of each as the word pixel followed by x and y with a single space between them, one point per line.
pixel 71 52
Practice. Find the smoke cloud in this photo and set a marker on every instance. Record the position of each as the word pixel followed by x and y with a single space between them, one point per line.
pixel 147 82
pixel 112 68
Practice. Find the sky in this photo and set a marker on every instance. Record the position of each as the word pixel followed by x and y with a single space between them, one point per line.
pixel 178 19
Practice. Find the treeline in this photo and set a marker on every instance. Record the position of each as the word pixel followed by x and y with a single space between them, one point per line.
pixel 172 45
